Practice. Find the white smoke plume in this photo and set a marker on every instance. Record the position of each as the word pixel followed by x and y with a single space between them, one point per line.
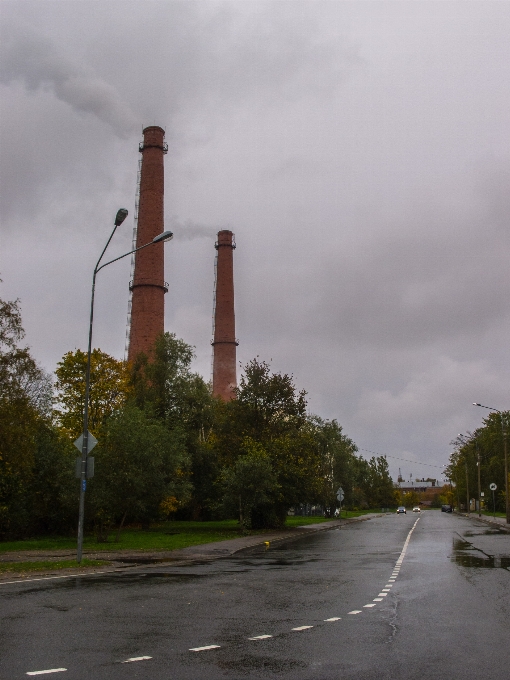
pixel 33 60
pixel 188 230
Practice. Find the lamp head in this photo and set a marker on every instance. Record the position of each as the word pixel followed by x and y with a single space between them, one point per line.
pixel 120 216
pixel 165 236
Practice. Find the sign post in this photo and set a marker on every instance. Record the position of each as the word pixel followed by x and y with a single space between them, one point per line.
pixel 340 496
pixel 493 488
pixel 85 465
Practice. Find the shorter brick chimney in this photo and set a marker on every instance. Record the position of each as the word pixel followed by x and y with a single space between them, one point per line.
pixel 224 341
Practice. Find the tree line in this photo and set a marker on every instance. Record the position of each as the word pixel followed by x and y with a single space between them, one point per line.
pixel 486 446
pixel 167 447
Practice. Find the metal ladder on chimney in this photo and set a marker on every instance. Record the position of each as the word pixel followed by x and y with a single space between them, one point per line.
pixel 214 313
pixel 133 258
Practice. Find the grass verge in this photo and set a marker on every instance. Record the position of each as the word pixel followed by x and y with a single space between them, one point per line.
pixel 47 565
pixel 164 536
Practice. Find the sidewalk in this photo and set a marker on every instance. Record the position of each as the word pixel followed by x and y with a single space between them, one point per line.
pixel 125 559
pixel 499 522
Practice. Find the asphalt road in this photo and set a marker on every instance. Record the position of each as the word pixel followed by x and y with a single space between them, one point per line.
pixel 373 600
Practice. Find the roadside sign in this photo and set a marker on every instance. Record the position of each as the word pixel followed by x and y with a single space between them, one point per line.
pixel 92 441
pixel 493 487
pixel 482 494
pixel 340 494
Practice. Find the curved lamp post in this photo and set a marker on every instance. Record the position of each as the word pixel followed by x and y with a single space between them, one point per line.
pixel 504 432
pixel 464 442
pixel 165 236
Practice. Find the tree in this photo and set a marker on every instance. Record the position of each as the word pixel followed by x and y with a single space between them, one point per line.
pixel 139 464
pixel 485 443
pixel 249 483
pixel 338 458
pixel 110 387
pixel 25 410
pixel 166 385
pixel 270 412
pixel 166 388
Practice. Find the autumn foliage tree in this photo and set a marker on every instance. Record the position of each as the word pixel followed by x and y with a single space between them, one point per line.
pixel 110 387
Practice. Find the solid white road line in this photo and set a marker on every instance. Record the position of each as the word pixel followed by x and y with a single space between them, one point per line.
pixel 260 637
pixel 334 618
pixel 137 658
pixel 50 670
pixel 49 578
pixel 203 649
pixel 302 627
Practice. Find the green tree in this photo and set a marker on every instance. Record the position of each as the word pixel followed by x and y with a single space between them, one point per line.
pixel 249 483
pixel 271 412
pixel 139 464
pixel 485 445
pixel 25 407
pixel 167 389
pixel 337 460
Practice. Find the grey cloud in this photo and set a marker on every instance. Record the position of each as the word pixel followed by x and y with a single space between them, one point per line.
pixel 33 60
pixel 357 150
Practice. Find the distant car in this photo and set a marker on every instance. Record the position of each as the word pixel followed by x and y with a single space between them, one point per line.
pixel 416 509
pixel 446 508
pixel 401 510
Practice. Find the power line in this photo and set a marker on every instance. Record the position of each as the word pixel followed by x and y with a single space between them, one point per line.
pixel 414 462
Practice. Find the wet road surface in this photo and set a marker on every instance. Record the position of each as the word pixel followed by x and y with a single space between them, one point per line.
pixel 400 597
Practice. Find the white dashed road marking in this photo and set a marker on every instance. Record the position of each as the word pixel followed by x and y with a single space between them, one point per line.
pixel 204 649
pixel 379 598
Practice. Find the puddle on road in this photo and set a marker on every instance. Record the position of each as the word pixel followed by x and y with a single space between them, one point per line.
pixel 466 555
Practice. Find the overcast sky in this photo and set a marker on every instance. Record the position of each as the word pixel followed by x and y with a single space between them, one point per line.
pixel 360 152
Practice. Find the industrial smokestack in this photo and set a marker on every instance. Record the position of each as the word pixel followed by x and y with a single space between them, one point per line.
pixel 148 285
pixel 224 342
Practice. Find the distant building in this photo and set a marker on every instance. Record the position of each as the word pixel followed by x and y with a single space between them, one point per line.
pixel 418 485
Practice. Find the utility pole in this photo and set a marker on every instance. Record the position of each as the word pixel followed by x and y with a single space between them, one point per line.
pixel 479 484
pixel 504 427
pixel 467 485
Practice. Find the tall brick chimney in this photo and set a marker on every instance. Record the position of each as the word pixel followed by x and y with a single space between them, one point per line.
pixel 148 285
pixel 224 342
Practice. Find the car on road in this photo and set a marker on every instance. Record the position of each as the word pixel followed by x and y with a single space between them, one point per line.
pixel 416 509
pixel 446 508
pixel 401 510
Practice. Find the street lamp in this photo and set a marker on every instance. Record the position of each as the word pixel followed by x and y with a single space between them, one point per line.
pixel 165 236
pixel 504 433
pixel 463 440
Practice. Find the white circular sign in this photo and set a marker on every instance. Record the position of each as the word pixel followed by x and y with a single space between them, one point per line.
pixel 493 487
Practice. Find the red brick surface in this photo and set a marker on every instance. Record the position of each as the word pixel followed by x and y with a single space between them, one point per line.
pixel 224 361
pixel 148 307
